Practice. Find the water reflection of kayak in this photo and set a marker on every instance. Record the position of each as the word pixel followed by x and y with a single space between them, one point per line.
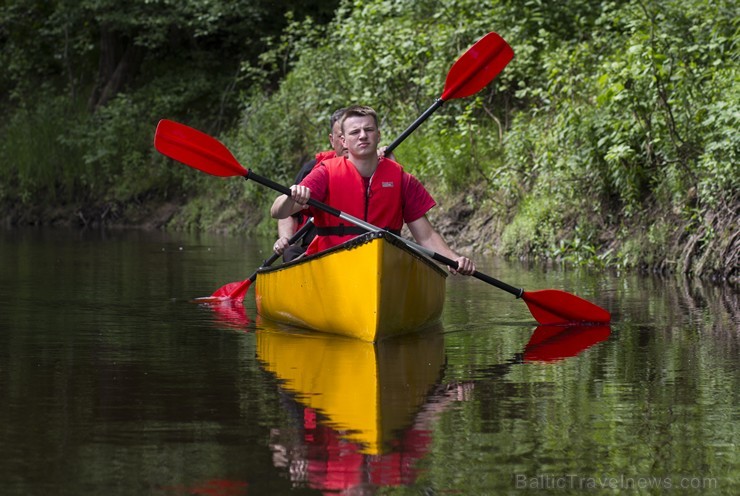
pixel 367 391
pixel 362 410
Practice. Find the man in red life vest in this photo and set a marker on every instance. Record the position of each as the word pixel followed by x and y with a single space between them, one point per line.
pixel 289 225
pixel 364 185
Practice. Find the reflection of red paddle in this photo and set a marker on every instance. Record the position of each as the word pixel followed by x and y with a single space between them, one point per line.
pixel 552 343
pixel 230 313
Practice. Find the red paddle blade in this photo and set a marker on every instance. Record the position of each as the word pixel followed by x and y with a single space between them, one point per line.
pixel 196 149
pixel 555 307
pixel 234 291
pixel 477 67
pixel 552 343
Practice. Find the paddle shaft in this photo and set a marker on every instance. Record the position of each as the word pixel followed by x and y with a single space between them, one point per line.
pixel 293 240
pixel 237 290
pixel 469 74
pixel 518 292
pixel 437 103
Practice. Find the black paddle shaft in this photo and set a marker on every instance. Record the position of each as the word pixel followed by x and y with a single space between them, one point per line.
pixel 286 191
pixel 437 103
pixel 518 292
pixel 293 240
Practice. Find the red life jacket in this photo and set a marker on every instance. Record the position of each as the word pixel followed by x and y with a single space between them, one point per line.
pixel 321 156
pixel 380 204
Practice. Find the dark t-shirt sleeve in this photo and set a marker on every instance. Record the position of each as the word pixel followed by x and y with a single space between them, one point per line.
pixel 305 169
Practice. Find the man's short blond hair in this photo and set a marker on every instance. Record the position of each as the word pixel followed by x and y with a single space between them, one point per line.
pixel 358 111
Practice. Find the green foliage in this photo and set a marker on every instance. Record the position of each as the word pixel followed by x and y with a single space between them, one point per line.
pixel 36 161
pixel 132 63
pixel 718 171
pixel 637 119
pixel 533 229
pixel 393 56
pixel 612 116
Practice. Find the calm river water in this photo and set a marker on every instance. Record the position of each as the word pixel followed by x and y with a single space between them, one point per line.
pixel 112 382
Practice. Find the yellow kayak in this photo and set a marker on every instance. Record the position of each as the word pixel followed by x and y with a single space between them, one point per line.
pixel 367 392
pixel 371 287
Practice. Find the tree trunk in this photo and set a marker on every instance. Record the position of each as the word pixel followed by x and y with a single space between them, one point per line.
pixel 118 64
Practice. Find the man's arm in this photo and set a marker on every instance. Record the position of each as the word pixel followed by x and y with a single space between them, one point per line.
pixel 286 229
pixel 315 186
pixel 428 237
pixel 284 206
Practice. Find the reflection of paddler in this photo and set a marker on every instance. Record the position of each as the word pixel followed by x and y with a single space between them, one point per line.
pixel 333 463
pixel 324 459
pixel 366 391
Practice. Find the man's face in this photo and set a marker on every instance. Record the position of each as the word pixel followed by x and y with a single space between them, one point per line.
pixel 360 136
pixel 335 140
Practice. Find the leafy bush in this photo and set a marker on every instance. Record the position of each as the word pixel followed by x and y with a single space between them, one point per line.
pixel 610 138
pixel 37 163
